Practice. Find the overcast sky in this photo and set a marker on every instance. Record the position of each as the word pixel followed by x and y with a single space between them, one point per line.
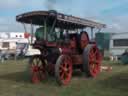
pixel 111 12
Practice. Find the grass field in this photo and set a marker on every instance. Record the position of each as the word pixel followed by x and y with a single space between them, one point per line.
pixel 14 82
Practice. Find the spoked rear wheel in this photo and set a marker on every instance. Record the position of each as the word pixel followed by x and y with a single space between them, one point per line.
pixel 91 60
pixel 63 70
pixel 37 69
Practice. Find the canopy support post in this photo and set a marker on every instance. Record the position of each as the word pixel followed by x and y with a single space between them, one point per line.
pixel 45 29
pixel 24 27
pixel 53 26
pixel 32 33
pixel 92 33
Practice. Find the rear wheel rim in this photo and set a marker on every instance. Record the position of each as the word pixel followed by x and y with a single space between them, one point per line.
pixel 65 70
pixel 94 61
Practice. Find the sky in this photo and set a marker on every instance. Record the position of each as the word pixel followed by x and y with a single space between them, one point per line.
pixel 113 13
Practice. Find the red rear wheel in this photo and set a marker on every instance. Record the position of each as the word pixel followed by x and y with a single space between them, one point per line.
pixel 63 70
pixel 37 69
pixel 92 60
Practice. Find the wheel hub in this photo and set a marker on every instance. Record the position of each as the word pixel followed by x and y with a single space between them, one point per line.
pixel 65 69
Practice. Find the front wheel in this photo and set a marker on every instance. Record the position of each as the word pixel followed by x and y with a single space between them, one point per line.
pixel 63 70
pixel 37 69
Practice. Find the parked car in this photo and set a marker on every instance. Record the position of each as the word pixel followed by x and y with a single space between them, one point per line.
pixel 124 57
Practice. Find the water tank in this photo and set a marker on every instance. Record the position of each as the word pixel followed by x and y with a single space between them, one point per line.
pixel 103 40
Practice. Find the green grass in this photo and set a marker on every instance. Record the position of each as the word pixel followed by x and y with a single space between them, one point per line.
pixel 14 82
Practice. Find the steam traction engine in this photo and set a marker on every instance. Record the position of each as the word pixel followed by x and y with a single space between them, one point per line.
pixel 63 46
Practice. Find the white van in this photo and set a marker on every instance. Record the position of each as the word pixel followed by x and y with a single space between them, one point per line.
pixel 8 47
pixel 118 44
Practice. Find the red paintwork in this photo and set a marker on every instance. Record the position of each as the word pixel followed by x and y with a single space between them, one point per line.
pixel 51 44
pixel 94 61
pixel 26 35
pixel 77 59
pixel 66 70
pixel 42 72
pixel 65 50
pixel 37 71
pixel 70 50
pixel 35 74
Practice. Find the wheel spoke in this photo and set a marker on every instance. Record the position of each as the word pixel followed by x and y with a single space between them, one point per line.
pixel 60 71
pixel 94 70
pixel 42 73
pixel 65 62
pixel 92 60
pixel 91 55
pixel 91 66
pixel 41 68
pixel 69 69
pixel 66 74
pixel 95 51
pixel 62 75
pixel 97 62
pixel 33 63
pixel 62 67
pixel 68 64
pixel 37 61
